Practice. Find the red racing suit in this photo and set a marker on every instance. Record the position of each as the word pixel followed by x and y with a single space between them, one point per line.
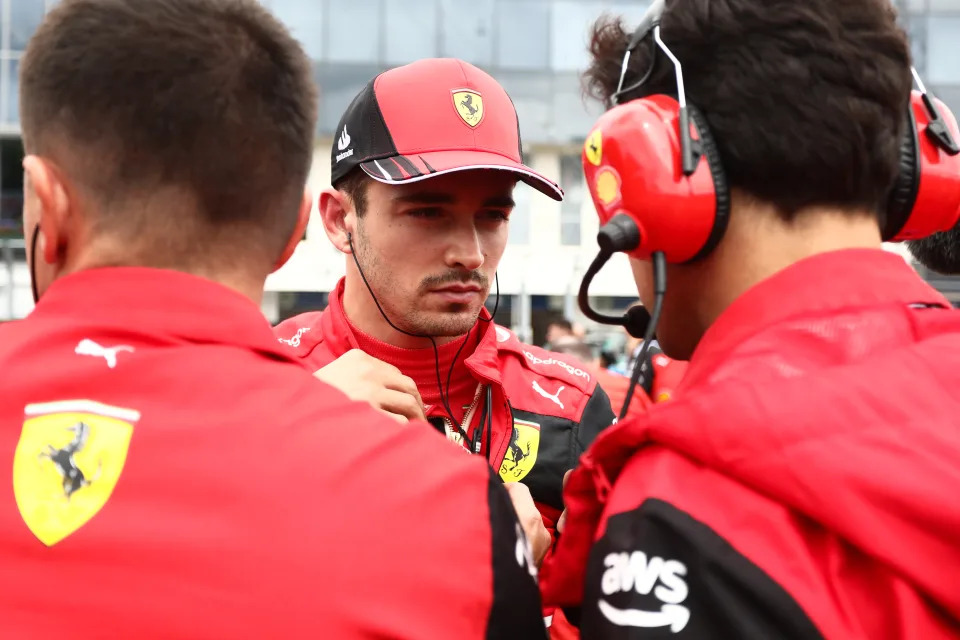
pixel 547 409
pixel 170 472
pixel 801 484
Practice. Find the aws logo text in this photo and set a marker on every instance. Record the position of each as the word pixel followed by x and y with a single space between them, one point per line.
pixel 635 572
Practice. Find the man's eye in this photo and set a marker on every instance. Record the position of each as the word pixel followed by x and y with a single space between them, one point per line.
pixel 425 213
pixel 496 215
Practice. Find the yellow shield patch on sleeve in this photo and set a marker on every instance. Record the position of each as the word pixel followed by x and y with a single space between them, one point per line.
pixel 68 460
pixel 522 451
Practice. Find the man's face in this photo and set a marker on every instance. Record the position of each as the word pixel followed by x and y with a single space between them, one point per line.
pixel 677 331
pixel 555 332
pixel 430 249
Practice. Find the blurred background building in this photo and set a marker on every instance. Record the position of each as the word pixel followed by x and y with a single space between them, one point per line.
pixel 535 48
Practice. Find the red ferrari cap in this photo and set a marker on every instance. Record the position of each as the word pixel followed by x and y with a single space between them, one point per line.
pixel 430 118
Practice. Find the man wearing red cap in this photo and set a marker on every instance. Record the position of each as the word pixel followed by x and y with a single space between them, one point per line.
pixel 424 166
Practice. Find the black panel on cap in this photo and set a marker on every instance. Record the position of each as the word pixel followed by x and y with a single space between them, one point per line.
pixel 366 137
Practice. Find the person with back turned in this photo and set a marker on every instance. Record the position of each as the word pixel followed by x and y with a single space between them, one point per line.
pixel 800 483
pixel 172 471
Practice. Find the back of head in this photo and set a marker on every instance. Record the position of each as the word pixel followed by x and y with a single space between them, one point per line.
pixel 184 127
pixel 806 100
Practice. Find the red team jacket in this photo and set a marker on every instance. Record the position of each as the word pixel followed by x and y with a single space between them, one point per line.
pixel 802 484
pixel 547 409
pixel 172 473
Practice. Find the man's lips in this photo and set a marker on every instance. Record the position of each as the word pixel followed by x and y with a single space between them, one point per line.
pixel 459 293
pixel 458 288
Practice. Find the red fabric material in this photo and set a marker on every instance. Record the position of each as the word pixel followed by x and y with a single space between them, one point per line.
pixel 421 365
pixel 420 110
pixel 667 375
pixel 419 104
pixel 616 387
pixel 254 501
pixel 822 403
pixel 561 629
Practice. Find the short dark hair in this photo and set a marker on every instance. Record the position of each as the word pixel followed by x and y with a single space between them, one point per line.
pixel 607 359
pixel 211 102
pixel 561 322
pixel 807 100
pixel 354 184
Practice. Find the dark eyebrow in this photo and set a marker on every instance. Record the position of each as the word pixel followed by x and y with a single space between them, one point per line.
pixel 425 198
pixel 498 202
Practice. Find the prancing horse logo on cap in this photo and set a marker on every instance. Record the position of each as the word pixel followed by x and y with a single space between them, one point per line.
pixel 469 106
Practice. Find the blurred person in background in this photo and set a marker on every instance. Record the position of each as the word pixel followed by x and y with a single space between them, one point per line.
pixel 557 329
pixel 607 359
pixel 423 172
pixel 174 471
pixel 661 375
pixel 800 485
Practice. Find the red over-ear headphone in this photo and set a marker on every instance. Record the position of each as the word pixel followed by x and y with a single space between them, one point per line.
pixel 655 160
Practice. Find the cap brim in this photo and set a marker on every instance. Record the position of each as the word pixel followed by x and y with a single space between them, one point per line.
pixel 401 169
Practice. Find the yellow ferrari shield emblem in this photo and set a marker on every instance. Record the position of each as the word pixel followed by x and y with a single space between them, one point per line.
pixel 469 106
pixel 593 147
pixel 67 463
pixel 522 452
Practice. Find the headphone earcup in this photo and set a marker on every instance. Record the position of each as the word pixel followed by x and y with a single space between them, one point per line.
pixel 903 196
pixel 925 198
pixel 708 148
pixel 632 162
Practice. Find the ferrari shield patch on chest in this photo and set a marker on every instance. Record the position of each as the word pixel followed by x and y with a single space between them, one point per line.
pixel 67 463
pixel 522 451
pixel 469 105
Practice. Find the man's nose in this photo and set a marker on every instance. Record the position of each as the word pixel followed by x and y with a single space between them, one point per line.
pixel 465 250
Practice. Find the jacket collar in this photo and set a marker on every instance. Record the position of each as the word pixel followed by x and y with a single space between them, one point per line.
pixel 163 304
pixel 833 281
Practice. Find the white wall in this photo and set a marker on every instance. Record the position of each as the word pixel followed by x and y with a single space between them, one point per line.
pixel 22 296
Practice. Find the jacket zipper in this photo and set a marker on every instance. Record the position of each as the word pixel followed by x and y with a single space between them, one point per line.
pixel 452 434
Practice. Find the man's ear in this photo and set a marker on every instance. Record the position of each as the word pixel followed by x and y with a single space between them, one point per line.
pixel 303 219
pixel 339 218
pixel 50 199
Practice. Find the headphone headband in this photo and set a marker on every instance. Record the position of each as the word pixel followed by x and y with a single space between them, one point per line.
pixel 649 20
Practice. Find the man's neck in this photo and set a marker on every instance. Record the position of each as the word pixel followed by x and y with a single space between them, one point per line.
pixel 247 284
pixel 364 315
pixel 759 245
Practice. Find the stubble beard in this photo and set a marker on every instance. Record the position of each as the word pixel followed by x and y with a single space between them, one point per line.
pixel 453 321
